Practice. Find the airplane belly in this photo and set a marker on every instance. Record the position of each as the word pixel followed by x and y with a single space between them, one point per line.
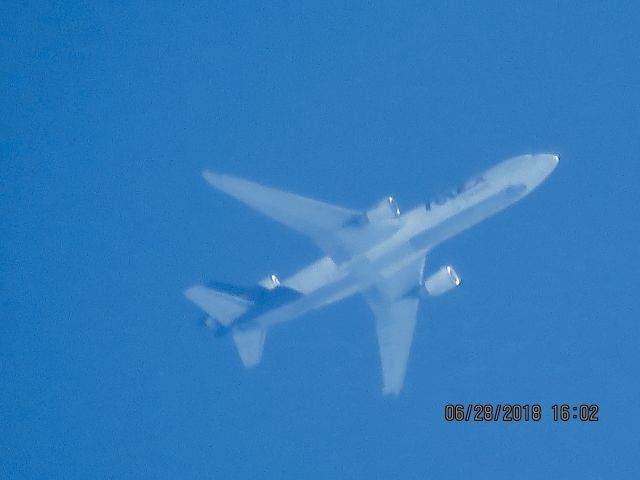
pixel 325 295
pixel 314 276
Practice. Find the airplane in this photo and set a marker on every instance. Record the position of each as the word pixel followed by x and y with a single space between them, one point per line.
pixel 379 253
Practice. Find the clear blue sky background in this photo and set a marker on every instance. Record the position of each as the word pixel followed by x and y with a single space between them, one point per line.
pixel 108 116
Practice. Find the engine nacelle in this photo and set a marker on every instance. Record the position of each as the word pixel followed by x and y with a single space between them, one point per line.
pixel 442 281
pixel 270 282
pixel 386 209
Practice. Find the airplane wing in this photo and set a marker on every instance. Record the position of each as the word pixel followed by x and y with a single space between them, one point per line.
pixel 249 344
pixel 320 221
pixel 394 302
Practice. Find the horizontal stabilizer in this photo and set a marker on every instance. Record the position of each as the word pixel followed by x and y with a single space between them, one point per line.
pixel 249 344
pixel 223 307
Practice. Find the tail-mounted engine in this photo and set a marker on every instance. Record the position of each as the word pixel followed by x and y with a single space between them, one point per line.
pixel 388 208
pixel 442 281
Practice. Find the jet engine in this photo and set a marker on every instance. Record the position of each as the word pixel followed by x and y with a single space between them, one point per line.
pixel 271 282
pixel 386 209
pixel 275 281
pixel 442 281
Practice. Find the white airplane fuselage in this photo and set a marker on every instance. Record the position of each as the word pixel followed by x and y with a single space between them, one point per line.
pixel 414 234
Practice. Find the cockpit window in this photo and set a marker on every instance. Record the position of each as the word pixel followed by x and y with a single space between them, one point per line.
pixel 442 198
pixel 469 184
pixel 445 197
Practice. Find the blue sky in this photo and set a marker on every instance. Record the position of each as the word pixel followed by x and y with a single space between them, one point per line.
pixel 110 113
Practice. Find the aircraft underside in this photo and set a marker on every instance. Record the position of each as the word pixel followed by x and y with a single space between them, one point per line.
pixel 379 253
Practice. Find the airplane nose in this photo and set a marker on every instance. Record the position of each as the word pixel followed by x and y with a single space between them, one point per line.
pixel 540 167
pixel 550 161
pixel 529 170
